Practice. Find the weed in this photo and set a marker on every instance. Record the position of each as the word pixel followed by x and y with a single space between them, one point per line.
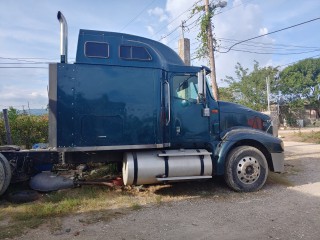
pixel 279 179
pixel 136 206
pixel 158 199
pixel 312 137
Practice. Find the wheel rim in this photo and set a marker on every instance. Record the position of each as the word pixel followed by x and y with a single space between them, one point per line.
pixel 248 170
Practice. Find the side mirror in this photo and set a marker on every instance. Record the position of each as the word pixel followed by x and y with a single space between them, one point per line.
pixel 202 85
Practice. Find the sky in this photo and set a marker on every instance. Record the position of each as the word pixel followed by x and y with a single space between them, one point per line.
pixel 29 35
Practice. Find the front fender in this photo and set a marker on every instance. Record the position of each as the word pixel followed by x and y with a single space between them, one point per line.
pixel 268 144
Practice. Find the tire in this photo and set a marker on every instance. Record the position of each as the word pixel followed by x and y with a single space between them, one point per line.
pixel 5 174
pixel 246 169
pixel 23 196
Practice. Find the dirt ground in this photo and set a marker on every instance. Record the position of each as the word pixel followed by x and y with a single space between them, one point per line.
pixel 288 207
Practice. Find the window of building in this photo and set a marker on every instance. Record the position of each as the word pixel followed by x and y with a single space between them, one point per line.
pixel 96 49
pixel 134 53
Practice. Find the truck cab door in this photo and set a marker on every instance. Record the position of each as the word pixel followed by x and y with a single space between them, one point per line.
pixel 188 127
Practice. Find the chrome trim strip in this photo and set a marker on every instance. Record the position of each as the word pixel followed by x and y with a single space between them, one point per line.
pixel 169 102
pixel 178 154
pixel 183 178
pixel 104 148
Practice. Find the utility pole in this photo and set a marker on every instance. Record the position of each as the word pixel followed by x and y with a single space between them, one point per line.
pixel 7 126
pixel 184 46
pixel 268 92
pixel 215 89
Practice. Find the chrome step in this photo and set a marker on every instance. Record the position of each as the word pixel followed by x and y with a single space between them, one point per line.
pixel 184 152
pixel 183 178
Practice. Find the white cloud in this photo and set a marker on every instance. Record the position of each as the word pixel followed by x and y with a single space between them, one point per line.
pixel 17 97
pixel 158 12
pixel 164 41
pixel 243 21
pixel 263 31
pixel 177 10
pixel 150 29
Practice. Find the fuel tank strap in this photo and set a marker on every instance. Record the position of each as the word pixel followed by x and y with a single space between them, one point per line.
pixel 166 164
pixel 135 168
pixel 201 163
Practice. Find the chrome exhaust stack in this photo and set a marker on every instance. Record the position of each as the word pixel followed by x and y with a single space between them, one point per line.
pixel 63 38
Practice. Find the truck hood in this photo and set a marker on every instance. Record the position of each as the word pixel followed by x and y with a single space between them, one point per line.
pixel 234 115
pixel 228 107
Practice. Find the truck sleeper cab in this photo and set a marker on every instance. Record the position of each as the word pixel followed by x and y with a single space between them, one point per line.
pixel 130 99
pixel 133 99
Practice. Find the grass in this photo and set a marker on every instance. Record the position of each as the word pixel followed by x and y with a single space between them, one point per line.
pixel 16 219
pixel 313 136
pixel 310 137
pixel 92 204
pixel 275 178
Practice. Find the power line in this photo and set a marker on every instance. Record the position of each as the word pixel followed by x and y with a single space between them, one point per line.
pixel 164 26
pixel 262 43
pixel 133 19
pixel 266 53
pixel 26 67
pixel 318 55
pixel 167 35
pixel 232 8
pixel 314 19
pixel 196 20
pixel 21 63
pixel 254 47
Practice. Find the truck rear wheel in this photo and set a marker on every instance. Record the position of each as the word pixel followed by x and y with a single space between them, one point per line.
pixel 246 169
pixel 5 174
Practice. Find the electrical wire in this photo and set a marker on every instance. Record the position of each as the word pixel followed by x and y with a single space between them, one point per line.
pixel 262 43
pixel 21 63
pixel 133 19
pixel 194 20
pixel 27 67
pixel 262 35
pixel 167 35
pixel 266 53
pixel 164 26
pixel 318 55
pixel 232 8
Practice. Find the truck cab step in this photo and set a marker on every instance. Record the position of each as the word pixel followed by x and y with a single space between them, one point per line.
pixel 184 152
pixel 162 179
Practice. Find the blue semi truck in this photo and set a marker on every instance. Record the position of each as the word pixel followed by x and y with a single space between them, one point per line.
pixel 132 100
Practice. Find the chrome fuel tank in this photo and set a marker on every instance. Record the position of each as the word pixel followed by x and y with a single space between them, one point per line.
pixel 145 167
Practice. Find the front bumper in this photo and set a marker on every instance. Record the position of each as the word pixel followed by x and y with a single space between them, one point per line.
pixel 278 161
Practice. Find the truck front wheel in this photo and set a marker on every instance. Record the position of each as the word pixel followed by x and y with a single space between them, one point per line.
pixel 246 169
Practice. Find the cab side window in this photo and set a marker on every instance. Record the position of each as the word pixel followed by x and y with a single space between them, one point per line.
pixel 185 87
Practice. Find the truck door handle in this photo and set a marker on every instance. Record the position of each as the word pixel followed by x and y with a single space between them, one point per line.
pixel 169 103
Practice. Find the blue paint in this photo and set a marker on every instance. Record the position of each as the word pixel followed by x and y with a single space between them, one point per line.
pixel 116 94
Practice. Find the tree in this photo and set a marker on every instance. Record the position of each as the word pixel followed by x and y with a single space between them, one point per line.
pixel 249 88
pixel 205 36
pixel 25 130
pixel 226 94
pixel 300 84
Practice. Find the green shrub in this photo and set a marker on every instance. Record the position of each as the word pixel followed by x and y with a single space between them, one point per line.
pixel 26 130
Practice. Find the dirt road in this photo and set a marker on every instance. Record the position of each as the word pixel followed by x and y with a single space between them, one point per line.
pixel 288 207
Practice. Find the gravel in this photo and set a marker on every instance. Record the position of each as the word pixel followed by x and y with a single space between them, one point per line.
pixel 278 211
